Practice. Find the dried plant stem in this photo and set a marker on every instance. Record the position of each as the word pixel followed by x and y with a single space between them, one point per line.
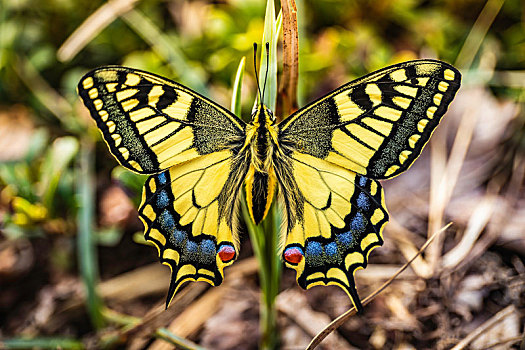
pixel 92 26
pixel 484 327
pixel 478 32
pixel 444 176
pixel 287 101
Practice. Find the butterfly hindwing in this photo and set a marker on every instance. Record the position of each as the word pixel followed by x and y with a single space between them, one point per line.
pixel 151 123
pixel 376 125
pixel 189 214
pixel 338 218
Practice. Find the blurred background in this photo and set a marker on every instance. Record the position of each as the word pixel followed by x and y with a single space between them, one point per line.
pixel 75 271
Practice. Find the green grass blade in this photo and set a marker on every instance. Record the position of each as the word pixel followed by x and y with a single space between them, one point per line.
pixel 277 31
pixel 478 33
pixel 270 89
pixel 59 155
pixel 41 343
pixel 179 342
pixel 165 48
pixel 237 86
pixel 87 254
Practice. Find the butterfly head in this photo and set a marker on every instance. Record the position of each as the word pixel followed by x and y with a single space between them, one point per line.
pixel 262 115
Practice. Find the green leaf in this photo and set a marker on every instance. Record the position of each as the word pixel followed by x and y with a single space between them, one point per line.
pixel 41 343
pixel 272 28
pixel 237 85
pixel 58 157
pixel 87 253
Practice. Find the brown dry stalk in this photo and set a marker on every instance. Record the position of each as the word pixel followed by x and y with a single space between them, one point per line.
pixel 443 182
pixel 287 94
pixel 338 322
pixel 93 25
pixel 484 327
pixel 444 178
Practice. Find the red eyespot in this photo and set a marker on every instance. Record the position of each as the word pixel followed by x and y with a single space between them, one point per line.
pixel 226 253
pixel 293 255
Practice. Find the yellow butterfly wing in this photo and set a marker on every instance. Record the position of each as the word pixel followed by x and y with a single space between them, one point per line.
pixel 151 123
pixel 335 219
pixel 189 214
pixel 191 146
pixel 376 125
pixel 332 151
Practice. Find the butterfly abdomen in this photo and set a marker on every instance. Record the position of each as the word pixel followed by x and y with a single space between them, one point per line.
pixel 260 188
pixel 261 195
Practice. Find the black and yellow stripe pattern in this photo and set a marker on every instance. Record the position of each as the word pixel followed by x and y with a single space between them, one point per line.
pixel 150 123
pixel 323 161
pixel 376 125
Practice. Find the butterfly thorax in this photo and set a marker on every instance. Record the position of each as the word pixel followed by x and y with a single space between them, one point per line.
pixel 261 180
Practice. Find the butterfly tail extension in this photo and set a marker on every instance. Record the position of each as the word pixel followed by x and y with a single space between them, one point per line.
pixel 196 246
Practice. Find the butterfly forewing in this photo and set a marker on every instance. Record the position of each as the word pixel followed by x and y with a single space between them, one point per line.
pixel 151 123
pixel 377 125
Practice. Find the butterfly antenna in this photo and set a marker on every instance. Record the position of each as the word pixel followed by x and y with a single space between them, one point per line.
pixel 255 68
pixel 267 67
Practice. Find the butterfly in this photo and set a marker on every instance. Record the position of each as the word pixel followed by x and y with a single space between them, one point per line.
pixel 323 163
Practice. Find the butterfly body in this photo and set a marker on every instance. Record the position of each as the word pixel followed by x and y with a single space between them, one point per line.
pixel 261 179
pixel 323 161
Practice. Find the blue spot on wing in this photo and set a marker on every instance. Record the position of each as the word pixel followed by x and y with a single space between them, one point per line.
pixel 345 239
pixel 358 223
pixel 363 202
pixel 332 253
pixel 162 199
pixel 314 248
pixel 208 247
pixel 208 251
pixel 314 253
pixel 191 247
pixel 166 221
pixel 162 178
pixel 362 181
pixel 331 249
pixel 178 237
